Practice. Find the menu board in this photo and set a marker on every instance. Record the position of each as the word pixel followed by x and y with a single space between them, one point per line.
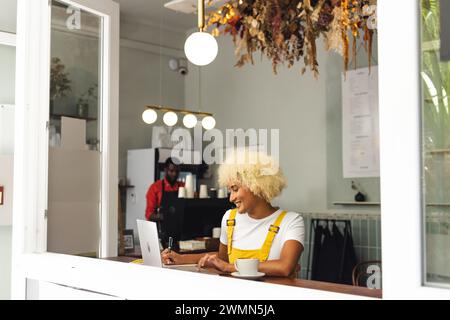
pixel 360 125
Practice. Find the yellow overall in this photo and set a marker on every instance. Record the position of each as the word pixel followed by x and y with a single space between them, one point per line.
pixel 263 253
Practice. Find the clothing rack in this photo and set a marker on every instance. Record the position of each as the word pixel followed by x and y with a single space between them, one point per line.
pixel 314 224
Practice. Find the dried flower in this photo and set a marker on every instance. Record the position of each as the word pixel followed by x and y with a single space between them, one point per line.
pixel 286 30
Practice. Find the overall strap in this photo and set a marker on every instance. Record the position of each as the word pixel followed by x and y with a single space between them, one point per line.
pixel 273 230
pixel 231 222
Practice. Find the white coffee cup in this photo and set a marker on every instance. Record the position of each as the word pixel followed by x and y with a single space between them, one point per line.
pixel 221 194
pixel 181 192
pixel 247 267
pixel 189 184
pixel 216 233
pixel 203 191
pixel 189 194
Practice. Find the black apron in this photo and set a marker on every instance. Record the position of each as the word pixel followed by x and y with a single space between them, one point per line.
pixel 168 214
pixel 333 257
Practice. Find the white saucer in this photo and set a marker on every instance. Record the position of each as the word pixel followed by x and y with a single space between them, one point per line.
pixel 250 277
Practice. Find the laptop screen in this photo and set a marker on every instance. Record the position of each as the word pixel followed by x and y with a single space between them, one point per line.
pixel 149 241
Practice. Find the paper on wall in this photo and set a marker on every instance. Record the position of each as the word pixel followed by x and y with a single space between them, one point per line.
pixel 360 124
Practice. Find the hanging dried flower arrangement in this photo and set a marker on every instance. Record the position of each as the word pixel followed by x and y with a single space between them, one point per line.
pixel 287 30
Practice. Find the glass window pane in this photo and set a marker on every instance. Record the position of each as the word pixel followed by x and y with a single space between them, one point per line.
pixel 74 201
pixel 435 77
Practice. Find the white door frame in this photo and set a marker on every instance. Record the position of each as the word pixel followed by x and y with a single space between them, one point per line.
pixel 400 158
pixel 32 114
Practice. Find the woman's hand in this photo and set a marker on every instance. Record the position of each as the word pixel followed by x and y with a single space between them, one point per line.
pixel 213 261
pixel 171 257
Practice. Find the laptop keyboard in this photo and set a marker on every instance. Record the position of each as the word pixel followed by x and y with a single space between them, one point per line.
pixel 183 268
pixel 190 268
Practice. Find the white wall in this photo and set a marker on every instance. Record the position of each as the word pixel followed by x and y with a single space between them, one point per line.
pixel 158 33
pixel 253 97
pixel 145 79
pixel 306 110
pixel 338 188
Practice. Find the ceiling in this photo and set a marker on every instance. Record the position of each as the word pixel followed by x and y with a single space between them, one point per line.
pixel 153 12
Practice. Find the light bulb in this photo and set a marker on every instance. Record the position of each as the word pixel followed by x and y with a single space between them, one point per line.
pixel 149 116
pixel 208 123
pixel 190 121
pixel 201 48
pixel 170 118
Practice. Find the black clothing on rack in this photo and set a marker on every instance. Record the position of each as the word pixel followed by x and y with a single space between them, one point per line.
pixel 333 254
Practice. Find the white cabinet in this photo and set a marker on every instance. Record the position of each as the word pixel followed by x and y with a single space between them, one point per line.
pixel 74 201
pixel 73 223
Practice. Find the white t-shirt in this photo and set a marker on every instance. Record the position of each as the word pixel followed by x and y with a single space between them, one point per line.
pixel 250 234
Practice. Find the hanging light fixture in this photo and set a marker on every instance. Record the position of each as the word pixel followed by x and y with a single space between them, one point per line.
pixel 201 47
pixel 170 118
pixel 149 116
pixel 208 123
pixel 190 120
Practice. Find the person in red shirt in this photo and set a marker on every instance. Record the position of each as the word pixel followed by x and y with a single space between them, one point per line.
pixel 155 192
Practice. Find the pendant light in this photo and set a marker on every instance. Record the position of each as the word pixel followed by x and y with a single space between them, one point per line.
pixel 190 118
pixel 190 121
pixel 201 47
pixel 170 118
pixel 208 123
pixel 149 116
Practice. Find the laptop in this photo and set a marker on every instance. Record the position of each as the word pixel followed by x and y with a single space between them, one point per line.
pixel 151 249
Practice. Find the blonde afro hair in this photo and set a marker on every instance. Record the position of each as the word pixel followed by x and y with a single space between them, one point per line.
pixel 257 171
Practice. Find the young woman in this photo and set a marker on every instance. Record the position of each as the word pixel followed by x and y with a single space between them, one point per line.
pixel 255 228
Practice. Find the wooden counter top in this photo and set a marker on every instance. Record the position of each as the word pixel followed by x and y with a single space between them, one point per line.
pixel 326 286
pixel 301 283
